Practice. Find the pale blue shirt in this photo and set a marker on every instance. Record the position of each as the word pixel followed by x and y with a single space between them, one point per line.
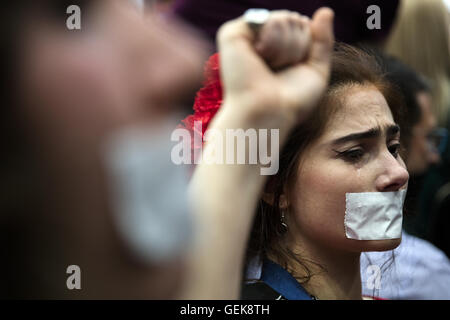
pixel 419 271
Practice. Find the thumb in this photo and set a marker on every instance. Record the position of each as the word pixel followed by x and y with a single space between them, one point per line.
pixel 322 39
pixel 238 57
pixel 234 31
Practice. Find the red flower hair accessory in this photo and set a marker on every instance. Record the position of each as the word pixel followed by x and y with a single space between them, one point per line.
pixel 208 99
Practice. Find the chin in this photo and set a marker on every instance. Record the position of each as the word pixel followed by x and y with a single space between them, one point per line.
pixel 381 245
pixel 376 245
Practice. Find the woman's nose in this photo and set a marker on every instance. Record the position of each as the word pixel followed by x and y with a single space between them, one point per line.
pixel 393 176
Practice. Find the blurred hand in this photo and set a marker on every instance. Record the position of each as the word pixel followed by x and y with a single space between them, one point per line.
pixel 302 46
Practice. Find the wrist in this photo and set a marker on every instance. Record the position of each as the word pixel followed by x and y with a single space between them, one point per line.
pixel 246 113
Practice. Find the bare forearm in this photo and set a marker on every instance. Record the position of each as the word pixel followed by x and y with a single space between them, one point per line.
pixel 224 198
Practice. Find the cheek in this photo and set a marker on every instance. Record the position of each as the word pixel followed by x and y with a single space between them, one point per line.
pixel 318 199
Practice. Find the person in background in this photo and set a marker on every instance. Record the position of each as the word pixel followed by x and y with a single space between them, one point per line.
pixel 420 38
pixel 416 269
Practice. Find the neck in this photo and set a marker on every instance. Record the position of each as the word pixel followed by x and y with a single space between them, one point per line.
pixel 335 275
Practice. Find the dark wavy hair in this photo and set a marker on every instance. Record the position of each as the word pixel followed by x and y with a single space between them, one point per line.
pixel 350 67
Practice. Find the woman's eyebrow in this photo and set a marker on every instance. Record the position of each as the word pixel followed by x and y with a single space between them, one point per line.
pixel 391 130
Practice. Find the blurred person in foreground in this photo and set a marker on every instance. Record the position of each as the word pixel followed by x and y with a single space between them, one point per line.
pixel 86 173
pixel 72 95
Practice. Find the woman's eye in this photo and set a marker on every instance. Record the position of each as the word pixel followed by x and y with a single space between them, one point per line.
pixel 352 155
pixel 394 149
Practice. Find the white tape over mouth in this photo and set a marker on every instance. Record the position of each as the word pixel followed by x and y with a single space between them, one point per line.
pixel 374 215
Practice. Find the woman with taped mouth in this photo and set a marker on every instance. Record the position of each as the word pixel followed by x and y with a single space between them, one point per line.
pixel 341 181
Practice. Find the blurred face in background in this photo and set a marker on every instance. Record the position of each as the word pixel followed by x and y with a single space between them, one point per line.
pixel 422 151
pixel 78 87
